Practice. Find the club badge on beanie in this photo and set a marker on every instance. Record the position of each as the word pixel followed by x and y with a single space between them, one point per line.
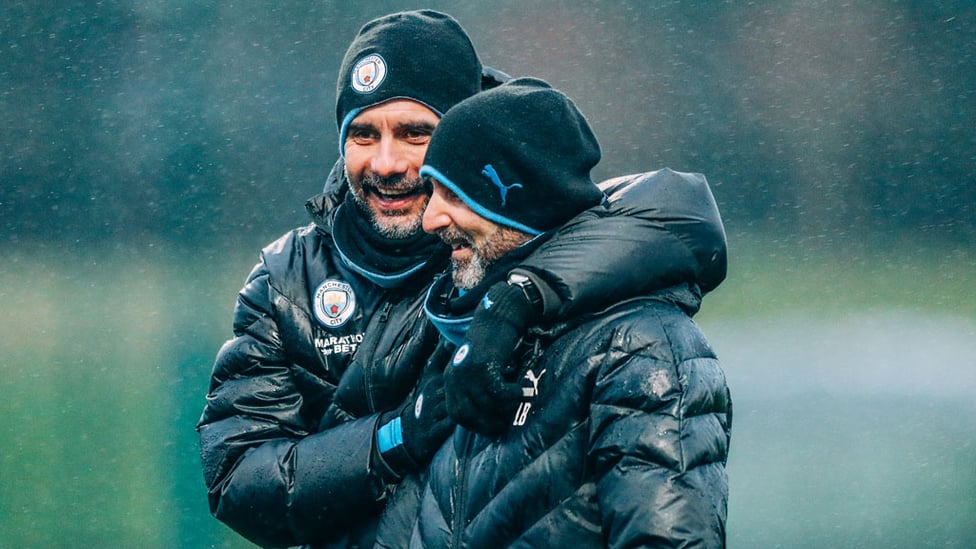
pixel 519 155
pixel 421 55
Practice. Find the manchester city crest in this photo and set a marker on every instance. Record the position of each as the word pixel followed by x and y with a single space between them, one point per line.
pixel 368 73
pixel 334 303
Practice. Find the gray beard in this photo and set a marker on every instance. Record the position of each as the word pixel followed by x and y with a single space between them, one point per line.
pixel 469 274
pixel 394 227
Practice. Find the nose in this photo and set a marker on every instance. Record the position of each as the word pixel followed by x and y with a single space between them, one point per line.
pixel 436 216
pixel 388 159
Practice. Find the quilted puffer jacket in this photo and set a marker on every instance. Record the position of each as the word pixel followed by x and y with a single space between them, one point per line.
pixel 620 441
pixel 287 432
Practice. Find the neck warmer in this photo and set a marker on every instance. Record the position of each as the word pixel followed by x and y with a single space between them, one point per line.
pixel 387 262
pixel 450 309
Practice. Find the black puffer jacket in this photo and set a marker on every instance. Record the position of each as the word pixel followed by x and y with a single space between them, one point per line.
pixel 287 431
pixel 620 441
pixel 621 437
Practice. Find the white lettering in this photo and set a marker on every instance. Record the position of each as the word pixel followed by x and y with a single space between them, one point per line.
pixel 339 345
pixel 522 413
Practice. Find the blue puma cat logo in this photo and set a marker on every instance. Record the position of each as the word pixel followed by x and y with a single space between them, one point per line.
pixel 491 174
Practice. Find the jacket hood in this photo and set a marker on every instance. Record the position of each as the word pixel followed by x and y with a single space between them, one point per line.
pixel 687 297
pixel 683 205
pixel 657 230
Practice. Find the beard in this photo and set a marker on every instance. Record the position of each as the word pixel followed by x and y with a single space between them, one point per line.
pixel 469 272
pixel 391 223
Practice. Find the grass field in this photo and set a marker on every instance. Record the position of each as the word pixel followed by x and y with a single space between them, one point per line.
pixel 104 360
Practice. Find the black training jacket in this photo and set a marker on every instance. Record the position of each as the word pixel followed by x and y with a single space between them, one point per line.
pixel 620 440
pixel 294 397
pixel 623 431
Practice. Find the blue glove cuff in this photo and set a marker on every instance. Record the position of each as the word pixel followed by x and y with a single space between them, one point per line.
pixel 390 435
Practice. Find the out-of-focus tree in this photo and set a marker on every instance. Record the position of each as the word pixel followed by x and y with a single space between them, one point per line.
pixel 206 125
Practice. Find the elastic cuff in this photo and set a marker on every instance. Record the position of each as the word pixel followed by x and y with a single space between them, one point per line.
pixel 389 452
pixel 389 435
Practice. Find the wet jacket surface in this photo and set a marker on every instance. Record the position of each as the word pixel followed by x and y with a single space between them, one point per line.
pixel 620 441
pixel 287 432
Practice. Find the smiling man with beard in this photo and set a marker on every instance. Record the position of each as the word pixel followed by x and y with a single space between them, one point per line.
pixel 321 407
pixel 623 418
pixel 329 330
pixel 380 143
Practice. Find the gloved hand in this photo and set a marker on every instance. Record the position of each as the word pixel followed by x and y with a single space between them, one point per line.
pixel 481 385
pixel 409 437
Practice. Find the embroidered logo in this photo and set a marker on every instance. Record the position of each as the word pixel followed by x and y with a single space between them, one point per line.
pixel 492 175
pixel 334 303
pixel 460 354
pixel 528 393
pixel 368 73
pixel 534 380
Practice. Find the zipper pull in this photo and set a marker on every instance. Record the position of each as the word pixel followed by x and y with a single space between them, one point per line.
pixel 385 312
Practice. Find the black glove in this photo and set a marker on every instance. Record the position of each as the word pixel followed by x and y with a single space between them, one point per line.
pixel 409 437
pixel 481 384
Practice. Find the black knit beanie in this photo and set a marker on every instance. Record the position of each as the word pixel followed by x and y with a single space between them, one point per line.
pixel 421 55
pixel 519 155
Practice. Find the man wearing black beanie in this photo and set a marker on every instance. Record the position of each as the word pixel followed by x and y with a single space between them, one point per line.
pixel 622 422
pixel 330 396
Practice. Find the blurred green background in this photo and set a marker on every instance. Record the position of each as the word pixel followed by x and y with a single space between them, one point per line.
pixel 148 149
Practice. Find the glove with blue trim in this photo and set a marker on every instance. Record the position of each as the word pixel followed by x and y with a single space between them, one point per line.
pixel 480 384
pixel 409 437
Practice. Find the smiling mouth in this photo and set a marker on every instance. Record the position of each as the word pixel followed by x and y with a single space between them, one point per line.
pixel 457 241
pixel 397 192
pixel 393 198
pixel 394 194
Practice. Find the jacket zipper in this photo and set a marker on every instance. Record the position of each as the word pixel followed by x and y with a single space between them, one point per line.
pixel 374 327
pixel 385 313
pixel 460 487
